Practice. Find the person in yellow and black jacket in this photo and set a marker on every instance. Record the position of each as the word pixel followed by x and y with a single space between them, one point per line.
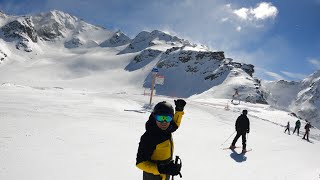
pixel 155 150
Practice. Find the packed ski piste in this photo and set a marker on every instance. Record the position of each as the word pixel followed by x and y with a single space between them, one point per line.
pixel 102 134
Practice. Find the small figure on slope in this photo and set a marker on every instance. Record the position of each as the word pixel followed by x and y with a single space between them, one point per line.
pixel 287 128
pixel 307 128
pixel 297 127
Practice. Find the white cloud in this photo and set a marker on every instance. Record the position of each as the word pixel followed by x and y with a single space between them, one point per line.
pixel 239 28
pixel 274 75
pixel 315 62
pixel 294 75
pixel 263 11
pixel 242 13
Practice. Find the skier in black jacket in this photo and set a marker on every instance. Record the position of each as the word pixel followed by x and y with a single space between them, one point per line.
pixel 242 127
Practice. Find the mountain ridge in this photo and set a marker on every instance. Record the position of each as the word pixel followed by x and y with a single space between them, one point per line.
pixel 190 70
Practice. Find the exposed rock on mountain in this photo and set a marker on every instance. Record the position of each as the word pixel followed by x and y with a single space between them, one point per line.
pixel 146 39
pixel 2 55
pixel 21 30
pixel 201 70
pixel 117 39
pixel 142 59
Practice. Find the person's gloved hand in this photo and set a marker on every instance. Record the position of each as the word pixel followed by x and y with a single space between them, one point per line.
pixel 248 131
pixel 180 103
pixel 170 168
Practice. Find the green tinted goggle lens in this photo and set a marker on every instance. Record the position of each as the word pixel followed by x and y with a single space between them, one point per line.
pixel 163 118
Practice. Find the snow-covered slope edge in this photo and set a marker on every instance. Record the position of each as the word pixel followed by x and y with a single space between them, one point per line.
pixel 302 98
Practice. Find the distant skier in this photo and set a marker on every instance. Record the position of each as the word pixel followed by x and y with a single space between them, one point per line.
pixel 307 128
pixel 155 150
pixel 288 128
pixel 235 96
pixel 297 127
pixel 242 127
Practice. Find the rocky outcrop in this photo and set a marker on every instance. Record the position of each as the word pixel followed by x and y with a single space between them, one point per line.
pixel 142 59
pixel 3 55
pixel 117 39
pixel 21 30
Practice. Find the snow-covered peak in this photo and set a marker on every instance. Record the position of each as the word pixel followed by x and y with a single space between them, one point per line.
pixel 3 18
pixel 54 24
pixel 2 15
pixel 56 16
pixel 314 77
pixel 148 39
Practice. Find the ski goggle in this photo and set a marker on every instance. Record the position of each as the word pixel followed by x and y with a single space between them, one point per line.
pixel 163 118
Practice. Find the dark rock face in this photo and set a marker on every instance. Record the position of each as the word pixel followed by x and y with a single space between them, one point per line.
pixel 73 43
pixel 211 55
pixel 142 59
pixel 20 30
pixel 50 31
pixel 118 39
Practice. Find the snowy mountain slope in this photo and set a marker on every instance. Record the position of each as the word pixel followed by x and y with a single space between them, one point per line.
pixel 281 93
pixel 69 52
pixel 148 39
pixel 81 134
pixel 76 41
pixel 307 103
pixel 59 27
pixel 302 98
pixel 3 51
pixel 194 72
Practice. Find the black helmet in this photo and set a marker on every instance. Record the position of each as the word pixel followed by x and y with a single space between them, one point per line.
pixel 163 108
pixel 245 112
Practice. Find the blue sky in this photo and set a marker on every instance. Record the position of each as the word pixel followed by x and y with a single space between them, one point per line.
pixel 281 38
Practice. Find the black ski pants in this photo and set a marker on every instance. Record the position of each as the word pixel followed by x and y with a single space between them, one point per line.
pixel 296 129
pixel 244 139
pixel 149 176
pixel 287 129
pixel 306 134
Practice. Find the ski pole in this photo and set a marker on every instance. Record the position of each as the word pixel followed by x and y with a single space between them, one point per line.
pixel 228 138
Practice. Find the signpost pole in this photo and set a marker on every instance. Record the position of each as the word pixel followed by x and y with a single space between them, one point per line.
pixel 154 71
pixel 152 87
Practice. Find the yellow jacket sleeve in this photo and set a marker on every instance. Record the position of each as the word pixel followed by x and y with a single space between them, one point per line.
pixel 148 167
pixel 177 117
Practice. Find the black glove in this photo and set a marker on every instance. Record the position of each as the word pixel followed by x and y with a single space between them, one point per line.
pixel 248 131
pixel 180 103
pixel 170 168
